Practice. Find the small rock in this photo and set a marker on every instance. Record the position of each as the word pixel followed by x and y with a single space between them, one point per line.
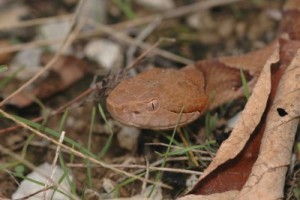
pixel 149 193
pixel 275 14
pixel 128 137
pixel 90 194
pixel 28 187
pixel 233 120
pixel 54 31
pixel 108 185
pixel 240 29
pixel 208 38
pixel 97 13
pixel 261 26
pixel 227 27
pixel 202 21
pixel 30 60
pixel 157 5
pixel 191 182
pixel 28 57
pixel 106 53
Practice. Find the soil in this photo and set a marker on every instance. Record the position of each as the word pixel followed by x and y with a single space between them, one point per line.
pixel 225 30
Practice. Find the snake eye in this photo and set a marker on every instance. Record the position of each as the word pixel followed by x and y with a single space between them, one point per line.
pixel 152 105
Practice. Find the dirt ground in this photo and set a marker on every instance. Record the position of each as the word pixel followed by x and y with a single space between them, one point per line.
pixel 225 30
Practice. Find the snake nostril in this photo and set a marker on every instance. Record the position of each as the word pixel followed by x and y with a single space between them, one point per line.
pixel 136 112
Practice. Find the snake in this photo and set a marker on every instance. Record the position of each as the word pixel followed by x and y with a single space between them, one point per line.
pixel 161 99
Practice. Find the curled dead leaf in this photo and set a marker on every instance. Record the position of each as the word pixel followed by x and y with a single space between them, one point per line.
pixel 267 178
pixel 259 176
pixel 235 164
pixel 65 72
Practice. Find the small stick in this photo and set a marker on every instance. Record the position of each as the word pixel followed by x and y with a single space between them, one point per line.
pixel 142 36
pixel 68 40
pixel 54 166
pixel 185 143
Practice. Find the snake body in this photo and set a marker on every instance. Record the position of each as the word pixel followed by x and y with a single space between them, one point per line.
pixel 154 99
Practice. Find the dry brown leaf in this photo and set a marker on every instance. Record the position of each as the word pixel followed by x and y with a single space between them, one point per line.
pixel 268 173
pixel 5 57
pixel 65 72
pixel 267 177
pixel 249 120
pixel 229 195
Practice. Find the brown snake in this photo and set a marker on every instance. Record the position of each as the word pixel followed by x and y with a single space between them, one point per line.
pixel 155 98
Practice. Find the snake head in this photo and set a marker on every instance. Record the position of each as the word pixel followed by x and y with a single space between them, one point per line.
pixel 158 99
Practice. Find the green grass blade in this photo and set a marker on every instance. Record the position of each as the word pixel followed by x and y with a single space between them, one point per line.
pixel 89 169
pixel 39 183
pixel 25 147
pixel 125 7
pixel 245 85
pixel 210 123
pixel 56 134
pixel 7 80
pixel 3 68
pixel 61 159
pixel 159 174
pixel 184 150
pixel 109 140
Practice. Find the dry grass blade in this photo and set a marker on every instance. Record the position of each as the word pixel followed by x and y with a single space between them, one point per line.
pixel 123 37
pixel 35 22
pixel 32 167
pixel 164 169
pixel 75 152
pixel 136 22
pixel 68 40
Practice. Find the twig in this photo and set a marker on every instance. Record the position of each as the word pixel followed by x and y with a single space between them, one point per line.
pixel 197 7
pixel 146 176
pixel 54 166
pixel 136 22
pixel 204 5
pixel 45 189
pixel 91 89
pixel 177 147
pixel 185 143
pixel 142 36
pixel 165 169
pixel 68 40
pixel 31 166
pixel 55 112
pixel 146 52
pixel 34 22
pixel 158 162
pixel 75 152
pixel 129 40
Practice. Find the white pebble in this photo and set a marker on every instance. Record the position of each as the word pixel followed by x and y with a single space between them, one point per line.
pixel 28 187
pixel 55 31
pixel 233 120
pixel 106 53
pixel 128 137
pixel 157 4
pixel 150 194
pixel 191 181
pixel 30 60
